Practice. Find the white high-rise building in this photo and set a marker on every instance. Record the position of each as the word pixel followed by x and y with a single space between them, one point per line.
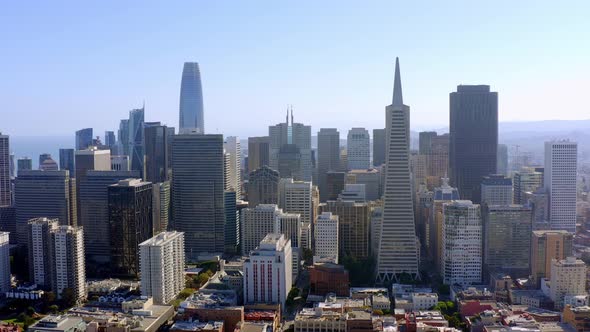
pixel 4 263
pixel 268 271
pixel 256 223
pixel 5 195
pixel 326 238
pixel 38 240
pixel 162 266
pixel 568 278
pixel 68 265
pixel 561 161
pixel 296 197
pixel 398 249
pixel 461 243
pixel 358 148
pixel 234 177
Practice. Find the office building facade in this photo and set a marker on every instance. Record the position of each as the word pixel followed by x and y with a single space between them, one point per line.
pixel 5 192
pixel 546 246
pixel 358 149
pixel 326 238
pixel 263 187
pixel 84 138
pixel 258 152
pixel 156 153
pixel 66 161
pixel 496 189
pixel 328 157
pixel 561 162
pixel 473 138
pixel 290 149
pixel 191 118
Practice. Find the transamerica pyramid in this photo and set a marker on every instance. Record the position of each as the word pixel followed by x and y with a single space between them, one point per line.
pixel 398 250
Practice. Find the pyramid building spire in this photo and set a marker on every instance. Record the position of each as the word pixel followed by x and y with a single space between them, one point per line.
pixel 397 86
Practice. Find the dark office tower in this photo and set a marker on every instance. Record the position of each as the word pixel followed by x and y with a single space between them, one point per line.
pixel 109 139
pixel 258 152
pixel 8 222
pixel 232 223
pixel 66 161
pixel 502 159
pixel 191 100
pixel 136 127
pixel 130 218
pixel 398 250
pixel 24 163
pixel 290 149
pixel 156 153
pixel 425 141
pixel 328 157
pixel 378 147
pixel 197 192
pixel 263 187
pixel 335 182
pixel 12 166
pixel 94 217
pixel 474 138
pixel 50 194
pixel 123 138
pixel 5 192
pixel 84 138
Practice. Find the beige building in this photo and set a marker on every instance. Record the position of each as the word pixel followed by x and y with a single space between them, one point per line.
pixel 353 226
pixel 568 277
pixel 545 246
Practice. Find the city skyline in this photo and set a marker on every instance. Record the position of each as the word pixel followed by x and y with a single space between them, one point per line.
pixel 283 74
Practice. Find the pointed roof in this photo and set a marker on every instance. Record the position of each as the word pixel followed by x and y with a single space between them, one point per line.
pixel 397 86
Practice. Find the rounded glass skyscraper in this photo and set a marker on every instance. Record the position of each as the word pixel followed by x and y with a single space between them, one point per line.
pixel 191 100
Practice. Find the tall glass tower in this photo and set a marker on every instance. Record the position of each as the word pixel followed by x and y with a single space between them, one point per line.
pixel 191 100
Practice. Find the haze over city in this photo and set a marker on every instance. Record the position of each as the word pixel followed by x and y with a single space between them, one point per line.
pixel 89 64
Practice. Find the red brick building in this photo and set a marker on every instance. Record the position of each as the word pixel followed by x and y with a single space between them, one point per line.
pixel 329 278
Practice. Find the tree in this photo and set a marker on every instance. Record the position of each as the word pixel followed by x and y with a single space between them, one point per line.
pixel 307 256
pixel 30 311
pixel 68 298
pixel 53 309
pixel 378 312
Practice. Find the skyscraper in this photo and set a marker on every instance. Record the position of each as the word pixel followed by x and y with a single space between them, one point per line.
pixel 546 246
pixel 296 197
pixel 156 153
pixel 502 159
pixel 473 138
pixel 378 147
pixel 109 138
pixel 257 223
pixel 353 227
pixel 5 192
pixel 398 251
pixel 39 253
pixel 233 148
pixel 66 161
pixel 136 139
pixel 326 238
pixel 88 160
pixel 507 239
pixel 197 192
pixel 290 149
pixel 328 157
pixel 191 100
pixel 443 194
pixel 94 217
pixel 527 180
pixel 425 142
pixel 4 262
pixel 67 259
pixel 84 138
pixel 335 182
pixel 123 138
pixel 258 152
pixel 358 148
pixel 50 194
pixel 131 221
pixel 496 189
pixel 263 187
pixel 561 162
pixel 46 163
pixel 462 252
pixel 24 163
pixel 162 268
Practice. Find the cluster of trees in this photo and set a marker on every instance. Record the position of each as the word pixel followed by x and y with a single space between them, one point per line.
pixel 449 311
pixel 361 271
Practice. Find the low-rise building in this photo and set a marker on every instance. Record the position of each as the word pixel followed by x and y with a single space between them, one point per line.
pixel 329 278
pixel 197 326
pixel 58 324
pixel 578 317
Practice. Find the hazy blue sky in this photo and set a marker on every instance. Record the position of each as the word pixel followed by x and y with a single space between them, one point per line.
pixel 69 65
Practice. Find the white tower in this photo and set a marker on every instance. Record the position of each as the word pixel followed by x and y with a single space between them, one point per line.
pixel 560 183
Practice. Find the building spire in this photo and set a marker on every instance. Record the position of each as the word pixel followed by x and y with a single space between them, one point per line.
pixel 397 86
pixel 292 115
pixel 287 117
